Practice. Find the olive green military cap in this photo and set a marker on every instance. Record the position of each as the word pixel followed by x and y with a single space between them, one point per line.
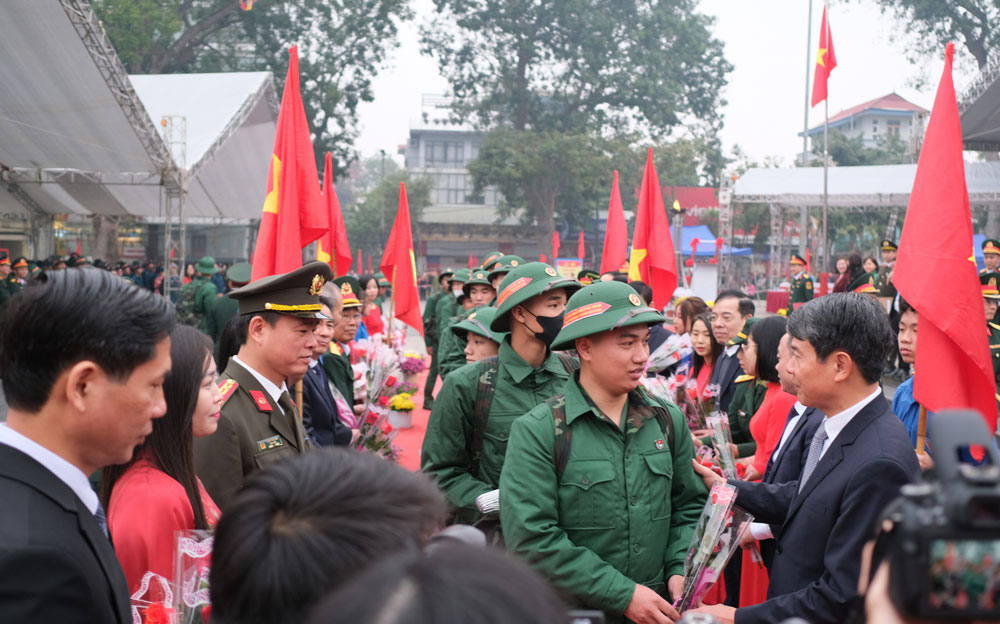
pixel 478 322
pixel 239 273
pixel 446 273
pixel 490 260
pixel 524 282
pixel 741 338
pixel 350 288
pixel 588 277
pixel 382 281
pixel 505 264
pixel 477 277
pixel 461 275
pixel 295 293
pixel 206 266
pixel 864 283
pixel 602 307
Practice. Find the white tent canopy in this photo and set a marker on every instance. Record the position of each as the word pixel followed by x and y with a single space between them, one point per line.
pixel 884 185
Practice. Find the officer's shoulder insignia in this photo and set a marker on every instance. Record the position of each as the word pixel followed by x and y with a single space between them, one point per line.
pixel 260 400
pixel 335 349
pixel 270 443
pixel 809 285
pixel 227 387
pixel 993 325
pixel 743 378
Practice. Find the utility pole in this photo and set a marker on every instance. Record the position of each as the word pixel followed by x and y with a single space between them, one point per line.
pixel 804 215
pixel 381 204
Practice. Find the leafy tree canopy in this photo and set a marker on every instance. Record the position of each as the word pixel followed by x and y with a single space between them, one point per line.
pixel 364 221
pixel 851 152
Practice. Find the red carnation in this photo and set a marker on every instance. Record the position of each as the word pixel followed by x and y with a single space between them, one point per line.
pixel 390 382
pixel 383 401
pixel 386 427
pixel 156 613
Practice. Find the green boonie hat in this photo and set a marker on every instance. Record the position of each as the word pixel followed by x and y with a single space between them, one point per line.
pixel 239 273
pixel 477 277
pixel 741 338
pixel 446 272
pixel 478 322
pixel 81 261
pixel 461 275
pixel 34 270
pixel 349 289
pixel 295 293
pixel 864 283
pixel 505 264
pixel 524 282
pixel 206 266
pixel 490 260
pixel 382 281
pixel 601 307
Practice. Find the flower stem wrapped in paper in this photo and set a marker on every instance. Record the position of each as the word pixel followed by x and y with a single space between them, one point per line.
pixel 375 432
pixel 673 350
pixel 722 439
pixel 717 536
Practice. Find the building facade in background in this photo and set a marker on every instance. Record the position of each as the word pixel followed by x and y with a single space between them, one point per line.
pixel 878 121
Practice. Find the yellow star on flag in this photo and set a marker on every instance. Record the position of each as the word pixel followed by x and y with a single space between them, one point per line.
pixel 271 201
pixel 821 57
pixel 638 255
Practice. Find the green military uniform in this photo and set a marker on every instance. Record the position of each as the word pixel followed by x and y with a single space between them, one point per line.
pixel 455 429
pixel 337 363
pixel 257 428
pixel 225 308
pixel 883 282
pixel 431 338
pixel 5 293
pixel 205 293
pixel 991 246
pixel 801 289
pixel 620 506
pixel 451 350
pixel 12 282
pixel 447 305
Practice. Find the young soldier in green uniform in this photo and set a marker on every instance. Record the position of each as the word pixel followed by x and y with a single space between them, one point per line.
pixel 18 276
pixel 447 305
pixel 431 337
pixel 337 363
pixel 259 424
pixel 480 342
pixel 451 350
pixel 468 429
pixel 801 289
pixel 225 308
pixel 597 491
pixel 194 302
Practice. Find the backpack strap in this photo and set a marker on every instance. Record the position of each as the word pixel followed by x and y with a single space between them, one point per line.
pixel 570 363
pixel 486 385
pixel 563 435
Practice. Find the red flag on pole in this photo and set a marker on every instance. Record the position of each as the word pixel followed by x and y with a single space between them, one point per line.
pixel 472 261
pixel 555 245
pixel 333 247
pixel 652 259
pixel 359 260
pixel 542 258
pixel 580 250
pixel 369 263
pixel 292 216
pixel 399 264
pixel 953 368
pixel 826 60
pixel 615 233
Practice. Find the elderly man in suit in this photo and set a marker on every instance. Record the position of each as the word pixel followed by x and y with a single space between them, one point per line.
pixel 85 354
pixel 857 461
pixel 731 310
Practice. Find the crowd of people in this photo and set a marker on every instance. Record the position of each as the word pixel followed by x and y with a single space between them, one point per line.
pixel 552 481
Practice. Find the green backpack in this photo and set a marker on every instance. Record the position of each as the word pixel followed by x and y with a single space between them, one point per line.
pixel 185 307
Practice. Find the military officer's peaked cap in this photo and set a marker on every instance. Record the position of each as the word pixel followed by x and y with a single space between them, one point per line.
pixel 477 277
pixel 19 262
pixel 991 245
pixel 349 290
pixel 741 338
pixel 797 259
pixel 989 284
pixel 295 293
pixel 889 245
pixel 505 264
pixel 524 282
pixel 864 283
pixel 490 260
pixel 588 277
pixel 478 322
pixel 602 307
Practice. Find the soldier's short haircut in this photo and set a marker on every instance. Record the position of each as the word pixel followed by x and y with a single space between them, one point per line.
pixel 270 317
pixel 65 317
pixel 307 524
pixel 849 322
pixel 453 583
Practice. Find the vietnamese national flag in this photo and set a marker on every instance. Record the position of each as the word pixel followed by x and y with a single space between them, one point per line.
pixel 653 260
pixel 370 263
pixel 472 261
pixel 826 60
pixel 615 233
pixel 293 216
pixel 359 260
pixel 555 244
pixel 333 247
pixel 953 367
pixel 579 247
pixel 399 264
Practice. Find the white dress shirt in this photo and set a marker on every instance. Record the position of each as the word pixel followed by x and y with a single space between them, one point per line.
pixel 272 390
pixel 789 428
pixel 66 472
pixel 731 351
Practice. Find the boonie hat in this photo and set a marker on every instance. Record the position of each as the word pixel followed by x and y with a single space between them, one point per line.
pixel 601 307
pixel 505 264
pixel 295 293
pixel 477 277
pixel 478 322
pixel 524 282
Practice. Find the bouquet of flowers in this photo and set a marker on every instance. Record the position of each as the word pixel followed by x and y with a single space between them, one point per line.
pixel 191 569
pixel 412 363
pixel 722 438
pixel 662 388
pixel 376 433
pixel 717 535
pixel 671 352
pixel 153 602
pixel 696 407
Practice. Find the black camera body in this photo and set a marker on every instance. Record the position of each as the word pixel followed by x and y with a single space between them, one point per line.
pixel 941 537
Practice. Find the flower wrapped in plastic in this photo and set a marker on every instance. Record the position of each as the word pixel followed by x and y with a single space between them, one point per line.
pixel 153 601
pixel 672 352
pixel 192 564
pixel 662 388
pixel 717 536
pixel 696 406
pixel 722 439
pixel 376 433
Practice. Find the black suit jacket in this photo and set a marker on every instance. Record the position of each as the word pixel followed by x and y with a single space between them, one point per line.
pixel 725 372
pixel 319 410
pixel 789 464
pixel 56 564
pixel 823 529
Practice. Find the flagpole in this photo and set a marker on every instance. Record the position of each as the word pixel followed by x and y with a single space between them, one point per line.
pixel 804 211
pixel 922 430
pixel 826 137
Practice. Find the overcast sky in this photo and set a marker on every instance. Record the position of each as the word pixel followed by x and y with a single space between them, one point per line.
pixel 765 40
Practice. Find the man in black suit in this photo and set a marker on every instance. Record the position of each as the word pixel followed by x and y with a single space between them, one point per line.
pixel 857 461
pixel 320 414
pixel 84 358
pixel 730 312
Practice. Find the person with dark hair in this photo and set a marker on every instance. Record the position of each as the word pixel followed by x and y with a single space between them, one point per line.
pixel 801 289
pixel 431 337
pixel 658 334
pixel 233 335
pixel 156 493
pixel 195 300
pixel 371 311
pixel 731 311
pixel 597 492
pixel 707 351
pixel 843 275
pixel 337 361
pixel 858 459
pixel 85 356
pixel 259 424
pixel 320 409
pixel 305 526
pixel 687 309
pixel 485 586
pixel 869 265
pixel 5 293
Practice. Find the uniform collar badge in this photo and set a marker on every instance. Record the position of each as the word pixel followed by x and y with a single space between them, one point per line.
pixel 659 445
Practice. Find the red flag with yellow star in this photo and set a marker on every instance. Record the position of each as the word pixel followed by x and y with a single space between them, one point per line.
pixel 399 264
pixel 333 247
pixel 652 259
pixel 293 213
pixel 826 60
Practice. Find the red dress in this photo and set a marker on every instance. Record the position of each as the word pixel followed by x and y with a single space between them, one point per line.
pixel 147 506
pixel 373 321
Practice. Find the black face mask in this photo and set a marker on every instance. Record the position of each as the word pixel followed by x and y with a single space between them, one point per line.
pixel 551 325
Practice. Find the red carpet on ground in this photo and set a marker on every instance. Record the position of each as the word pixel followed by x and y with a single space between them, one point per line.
pixel 411 439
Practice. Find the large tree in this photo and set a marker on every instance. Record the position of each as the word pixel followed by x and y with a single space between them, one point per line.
pixel 342 46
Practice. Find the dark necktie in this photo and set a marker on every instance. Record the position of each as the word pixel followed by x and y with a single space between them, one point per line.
pixel 285 401
pixel 102 519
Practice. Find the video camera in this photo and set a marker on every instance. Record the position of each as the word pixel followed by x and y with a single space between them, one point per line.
pixel 941 537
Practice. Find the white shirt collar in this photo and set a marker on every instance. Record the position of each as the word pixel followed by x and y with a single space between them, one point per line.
pixel 836 423
pixel 62 469
pixel 731 351
pixel 797 275
pixel 799 408
pixel 313 363
pixel 272 390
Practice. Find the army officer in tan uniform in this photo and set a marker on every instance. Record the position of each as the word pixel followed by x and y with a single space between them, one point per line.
pixel 259 424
